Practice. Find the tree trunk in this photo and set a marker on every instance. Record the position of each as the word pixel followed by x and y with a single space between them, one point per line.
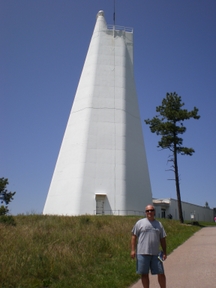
pixel 177 186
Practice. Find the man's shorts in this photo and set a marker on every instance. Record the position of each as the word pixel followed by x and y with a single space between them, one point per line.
pixel 149 262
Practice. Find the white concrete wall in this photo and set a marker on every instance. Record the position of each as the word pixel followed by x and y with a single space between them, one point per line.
pixel 200 213
pixel 102 151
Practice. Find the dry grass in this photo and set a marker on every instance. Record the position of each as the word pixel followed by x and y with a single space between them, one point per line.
pixel 85 251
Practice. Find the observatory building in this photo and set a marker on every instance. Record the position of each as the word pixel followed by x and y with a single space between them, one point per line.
pixel 102 166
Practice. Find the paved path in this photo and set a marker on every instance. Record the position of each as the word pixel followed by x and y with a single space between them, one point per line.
pixel 191 265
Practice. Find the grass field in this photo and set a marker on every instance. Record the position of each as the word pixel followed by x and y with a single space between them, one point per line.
pixel 71 252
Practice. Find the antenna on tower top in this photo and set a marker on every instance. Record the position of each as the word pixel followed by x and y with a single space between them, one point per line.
pixel 114 13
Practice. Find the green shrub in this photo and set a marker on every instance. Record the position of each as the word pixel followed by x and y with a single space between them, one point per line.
pixel 7 220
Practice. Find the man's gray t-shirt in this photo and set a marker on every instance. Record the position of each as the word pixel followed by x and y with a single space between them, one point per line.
pixel 148 234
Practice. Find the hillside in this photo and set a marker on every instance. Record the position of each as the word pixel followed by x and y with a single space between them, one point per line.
pixel 79 252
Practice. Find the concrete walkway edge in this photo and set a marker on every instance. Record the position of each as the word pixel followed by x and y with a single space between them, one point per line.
pixel 192 264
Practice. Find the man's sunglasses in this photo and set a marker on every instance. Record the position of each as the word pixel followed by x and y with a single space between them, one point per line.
pixel 150 210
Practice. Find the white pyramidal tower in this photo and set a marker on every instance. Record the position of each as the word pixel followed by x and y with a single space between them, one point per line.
pixel 102 167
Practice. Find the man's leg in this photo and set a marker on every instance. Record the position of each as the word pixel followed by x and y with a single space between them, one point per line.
pixel 145 280
pixel 143 263
pixel 162 280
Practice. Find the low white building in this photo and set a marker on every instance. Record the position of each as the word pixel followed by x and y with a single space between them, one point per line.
pixel 191 212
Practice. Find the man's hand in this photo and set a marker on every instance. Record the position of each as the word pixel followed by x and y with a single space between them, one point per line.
pixel 133 246
pixel 133 254
pixel 163 245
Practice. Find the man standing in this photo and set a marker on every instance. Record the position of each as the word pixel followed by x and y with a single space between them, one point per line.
pixel 147 236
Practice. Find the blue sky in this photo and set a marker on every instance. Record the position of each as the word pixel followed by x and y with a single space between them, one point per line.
pixel 43 48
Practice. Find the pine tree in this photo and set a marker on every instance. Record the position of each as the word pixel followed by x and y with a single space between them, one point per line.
pixel 5 196
pixel 169 125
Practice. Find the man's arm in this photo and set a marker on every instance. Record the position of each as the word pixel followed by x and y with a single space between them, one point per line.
pixel 163 245
pixel 133 246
